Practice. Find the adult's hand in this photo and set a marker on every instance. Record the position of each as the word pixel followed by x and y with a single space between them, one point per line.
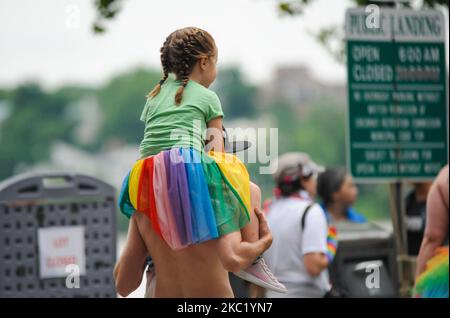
pixel 236 254
pixel 264 232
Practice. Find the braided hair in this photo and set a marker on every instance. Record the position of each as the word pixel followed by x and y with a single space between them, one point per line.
pixel 179 54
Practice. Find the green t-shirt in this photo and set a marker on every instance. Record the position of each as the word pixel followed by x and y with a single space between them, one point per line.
pixel 169 125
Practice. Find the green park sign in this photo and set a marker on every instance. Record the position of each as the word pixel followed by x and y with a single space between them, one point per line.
pixel 397 124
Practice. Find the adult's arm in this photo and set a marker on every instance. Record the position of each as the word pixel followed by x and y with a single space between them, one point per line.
pixel 130 267
pixel 436 228
pixel 315 263
pixel 236 254
pixel 314 241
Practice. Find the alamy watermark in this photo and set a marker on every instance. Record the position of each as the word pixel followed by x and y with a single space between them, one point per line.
pixel 72 20
pixel 73 277
pixel 263 141
pixel 373 16
pixel 373 277
pixel 372 271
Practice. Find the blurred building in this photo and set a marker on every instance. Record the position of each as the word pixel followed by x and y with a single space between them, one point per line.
pixel 110 165
pixel 295 85
pixel 90 116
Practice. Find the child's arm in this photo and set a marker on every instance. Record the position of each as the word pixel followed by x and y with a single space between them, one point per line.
pixel 131 265
pixel 214 136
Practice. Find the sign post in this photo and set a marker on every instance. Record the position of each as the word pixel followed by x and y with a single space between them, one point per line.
pixel 397 124
pixel 398 110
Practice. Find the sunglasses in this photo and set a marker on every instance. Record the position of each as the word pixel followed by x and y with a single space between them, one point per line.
pixel 234 146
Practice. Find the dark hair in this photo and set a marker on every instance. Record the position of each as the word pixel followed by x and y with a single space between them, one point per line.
pixel 329 182
pixel 292 184
pixel 179 53
pixel 287 188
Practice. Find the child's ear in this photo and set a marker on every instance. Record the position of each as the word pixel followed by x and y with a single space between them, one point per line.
pixel 203 63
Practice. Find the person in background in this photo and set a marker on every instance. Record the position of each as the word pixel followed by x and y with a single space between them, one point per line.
pixel 338 193
pixel 432 275
pixel 308 187
pixel 415 215
pixel 299 227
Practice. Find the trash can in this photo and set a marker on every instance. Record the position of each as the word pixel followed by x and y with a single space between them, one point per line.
pixel 365 264
pixel 57 236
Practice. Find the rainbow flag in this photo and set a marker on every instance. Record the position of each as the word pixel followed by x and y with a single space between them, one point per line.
pixel 332 242
pixel 433 282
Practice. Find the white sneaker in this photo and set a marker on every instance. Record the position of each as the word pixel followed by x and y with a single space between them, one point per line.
pixel 259 274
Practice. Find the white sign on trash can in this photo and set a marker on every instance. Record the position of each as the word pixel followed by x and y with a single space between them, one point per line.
pixel 60 247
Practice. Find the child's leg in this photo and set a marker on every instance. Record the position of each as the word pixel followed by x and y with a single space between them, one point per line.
pixel 250 233
pixel 258 273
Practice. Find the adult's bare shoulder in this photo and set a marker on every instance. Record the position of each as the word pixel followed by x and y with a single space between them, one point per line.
pixel 193 271
pixel 442 184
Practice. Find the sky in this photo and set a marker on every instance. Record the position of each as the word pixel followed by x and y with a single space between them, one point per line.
pixel 51 40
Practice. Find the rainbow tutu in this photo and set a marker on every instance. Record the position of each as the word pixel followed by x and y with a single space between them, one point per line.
pixel 190 196
pixel 433 282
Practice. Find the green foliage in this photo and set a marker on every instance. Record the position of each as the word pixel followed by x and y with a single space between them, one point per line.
pixel 237 95
pixel 122 101
pixel 434 3
pixel 35 120
pixel 326 121
pixel 332 37
pixel 106 10
pixel 373 201
pixel 293 7
pixel 332 40
pixel 297 7
pixel 319 130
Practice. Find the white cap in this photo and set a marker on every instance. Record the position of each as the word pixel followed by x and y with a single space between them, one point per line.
pixel 292 164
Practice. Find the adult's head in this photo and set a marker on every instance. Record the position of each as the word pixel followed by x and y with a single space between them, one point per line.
pixel 336 185
pixel 296 171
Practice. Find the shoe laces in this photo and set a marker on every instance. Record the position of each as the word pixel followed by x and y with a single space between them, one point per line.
pixel 267 270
